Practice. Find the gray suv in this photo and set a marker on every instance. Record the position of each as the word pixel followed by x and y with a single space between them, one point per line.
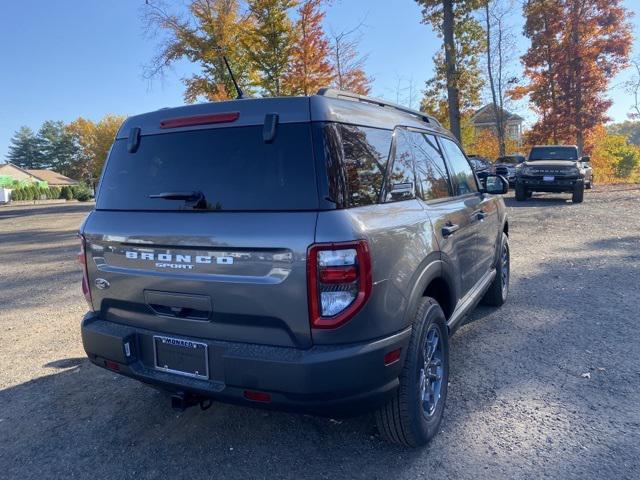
pixel 306 253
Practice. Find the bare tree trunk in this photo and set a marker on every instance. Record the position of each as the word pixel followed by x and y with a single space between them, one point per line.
pixel 498 112
pixel 453 93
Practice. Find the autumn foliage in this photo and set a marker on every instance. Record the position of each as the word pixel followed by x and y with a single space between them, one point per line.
pixel 309 65
pixel 275 47
pixel 577 46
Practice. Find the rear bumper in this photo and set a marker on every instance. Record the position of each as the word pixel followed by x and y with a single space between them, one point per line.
pixel 537 184
pixel 326 380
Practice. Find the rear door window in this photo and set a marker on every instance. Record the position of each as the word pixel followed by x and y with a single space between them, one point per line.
pixel 232 167
pixel 464 179
pixel 401 181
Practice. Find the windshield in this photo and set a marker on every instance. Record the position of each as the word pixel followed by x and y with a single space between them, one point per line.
pixel 509 160
pixel 213 169
pixel 553 153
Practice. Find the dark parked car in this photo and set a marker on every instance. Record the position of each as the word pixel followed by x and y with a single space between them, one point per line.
pixel 506 166
pixel 482 166
pixel 302 253
pixel 554 168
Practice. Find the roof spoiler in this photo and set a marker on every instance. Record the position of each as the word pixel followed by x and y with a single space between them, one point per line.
pixel 354 97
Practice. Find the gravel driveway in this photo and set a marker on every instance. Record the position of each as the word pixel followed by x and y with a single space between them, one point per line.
pixel 546 387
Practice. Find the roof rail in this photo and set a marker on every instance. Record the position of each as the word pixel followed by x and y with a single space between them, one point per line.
pixel 340 94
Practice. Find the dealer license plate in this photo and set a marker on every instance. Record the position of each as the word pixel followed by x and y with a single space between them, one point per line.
pixel 182 357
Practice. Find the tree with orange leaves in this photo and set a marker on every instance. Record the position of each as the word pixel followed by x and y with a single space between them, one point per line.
pixel 576 47
pixel 309 67
pixel 348 64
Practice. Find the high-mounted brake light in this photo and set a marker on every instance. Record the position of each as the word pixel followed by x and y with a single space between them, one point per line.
pixel 200 120
pixel 338 281
pixel 82 260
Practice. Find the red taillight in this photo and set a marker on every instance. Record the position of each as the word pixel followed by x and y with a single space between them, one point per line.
pixel 257 396
pixel 82 260
pixel 338 274
pixel 200 120
pixel 338 281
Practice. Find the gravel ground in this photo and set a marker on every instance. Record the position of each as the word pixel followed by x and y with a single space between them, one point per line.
pixel 545 387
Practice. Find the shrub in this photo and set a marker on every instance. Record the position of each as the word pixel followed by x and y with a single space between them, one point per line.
pixel 55 192
pixel 66 193
pixel 16 195
pixel 82 193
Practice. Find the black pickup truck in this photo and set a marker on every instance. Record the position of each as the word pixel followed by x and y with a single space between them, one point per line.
pixel 554 168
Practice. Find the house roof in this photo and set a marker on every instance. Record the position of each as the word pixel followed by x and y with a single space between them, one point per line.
pixel 5 168
pixel 52 178
pixel 486 115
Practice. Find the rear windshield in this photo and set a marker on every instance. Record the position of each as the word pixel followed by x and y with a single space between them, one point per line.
pixel 231 168
pixel 553 153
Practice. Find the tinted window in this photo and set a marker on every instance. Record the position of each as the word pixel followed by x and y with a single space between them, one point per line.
pixel 401 181
pixel 233 167
pixel 463 178
pixel 366 151
pixel 553 153
pixel 433 179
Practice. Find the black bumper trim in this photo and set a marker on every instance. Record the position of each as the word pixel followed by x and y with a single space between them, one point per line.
pixel 337 379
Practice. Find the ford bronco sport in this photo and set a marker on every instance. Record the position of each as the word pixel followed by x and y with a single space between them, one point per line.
pixel 305 253
pixel 554 168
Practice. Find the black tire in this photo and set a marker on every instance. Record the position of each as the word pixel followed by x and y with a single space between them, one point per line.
pixel 404 420
pixel 521 192
pixel 529 193
pixel 498 292
pixel 578 193
pixel 589 185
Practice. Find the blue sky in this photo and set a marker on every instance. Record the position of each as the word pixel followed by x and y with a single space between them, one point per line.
pixel 69 58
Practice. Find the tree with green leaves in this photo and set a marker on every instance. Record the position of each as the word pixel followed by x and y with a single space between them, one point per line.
pixel 25 149
pixel 57 147
pixel 269 44
pixel 208 29
pixel 458 81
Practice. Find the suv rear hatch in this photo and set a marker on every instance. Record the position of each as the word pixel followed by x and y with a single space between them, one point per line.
pixel 204 232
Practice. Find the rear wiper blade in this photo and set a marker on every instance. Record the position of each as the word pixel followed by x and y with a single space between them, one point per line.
pixel 187 196
pixel 195 200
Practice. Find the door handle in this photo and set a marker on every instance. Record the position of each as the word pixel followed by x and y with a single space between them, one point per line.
pixel 481 214
pixel 449 229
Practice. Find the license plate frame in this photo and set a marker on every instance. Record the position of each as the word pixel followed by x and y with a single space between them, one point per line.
pixel 548 178
pixel 176 349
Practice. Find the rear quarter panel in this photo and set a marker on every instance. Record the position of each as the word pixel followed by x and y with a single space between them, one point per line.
pixel 401 241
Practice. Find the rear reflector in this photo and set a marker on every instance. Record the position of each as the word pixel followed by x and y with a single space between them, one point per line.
pixel 257 396
pixel 393 356
pixel 112 365
pixel 200 120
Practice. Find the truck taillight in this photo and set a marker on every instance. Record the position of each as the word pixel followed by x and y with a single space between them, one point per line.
pixel 82 260
pixel 339 281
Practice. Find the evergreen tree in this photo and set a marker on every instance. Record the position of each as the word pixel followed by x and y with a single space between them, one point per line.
pixel 57 147
pixel 25 149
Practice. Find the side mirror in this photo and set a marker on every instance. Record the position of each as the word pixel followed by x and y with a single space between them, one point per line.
pixel 496 185
pixel 586 158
